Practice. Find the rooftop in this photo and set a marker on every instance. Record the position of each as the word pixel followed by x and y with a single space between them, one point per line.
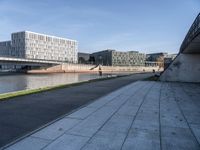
pixel 45 35
pixel 110 50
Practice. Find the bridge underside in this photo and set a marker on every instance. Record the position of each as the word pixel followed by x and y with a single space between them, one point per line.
pixel 21 64
pixel 193 47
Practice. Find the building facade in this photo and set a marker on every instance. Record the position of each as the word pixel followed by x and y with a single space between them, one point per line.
pixel 116 58
pixel 168 59
pixel 31 45
pixel 5 48
pixel 156 56
pixel 164 59
pixel 83 58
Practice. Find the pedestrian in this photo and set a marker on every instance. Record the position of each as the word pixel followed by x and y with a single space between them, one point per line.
pixel 100 71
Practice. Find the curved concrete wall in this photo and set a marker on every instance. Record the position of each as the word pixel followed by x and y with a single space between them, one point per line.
pixel 185 68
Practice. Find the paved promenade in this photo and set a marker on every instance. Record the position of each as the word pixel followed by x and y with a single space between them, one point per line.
pixel 21 115
pixel 144 115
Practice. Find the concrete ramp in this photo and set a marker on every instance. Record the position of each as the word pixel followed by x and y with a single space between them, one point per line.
pixel 186 66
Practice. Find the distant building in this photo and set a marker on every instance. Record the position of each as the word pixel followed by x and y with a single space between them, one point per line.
pixel 5 48
pixel 31 45
pixel 83 58
pixel 116 58
pixel 156 56
pixel 168 59
pixel 164 59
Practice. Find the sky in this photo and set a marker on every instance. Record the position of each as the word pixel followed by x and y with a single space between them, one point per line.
pixel 147 26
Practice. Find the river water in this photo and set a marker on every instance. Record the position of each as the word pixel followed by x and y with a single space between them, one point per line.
pixel 17 82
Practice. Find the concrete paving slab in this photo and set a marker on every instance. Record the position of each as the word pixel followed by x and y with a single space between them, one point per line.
pixel 67 142
pixel 82 113
pixel 192 117
pixel 169 107
pixel 30 143
pixel 178 138
pixel 142 139
pixel 184 100
pixel 196 131
pixel 118 123
pixel 118 101
pixel 56 129
pixel 136 100
pixel 145 124
pixel 127 110
pixel 91 124
pixel 105 141
pixel 140 144
pixel 173 121
pixel 144 133
pixel 100 102
pixel 143 116
pixel 108 98
pixel 148 115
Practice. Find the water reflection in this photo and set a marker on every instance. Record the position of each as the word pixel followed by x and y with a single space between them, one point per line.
pixel 10 83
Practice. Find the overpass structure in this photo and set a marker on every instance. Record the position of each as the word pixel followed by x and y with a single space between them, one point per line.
pixel 26 61
pixel 186 66
pixel 25 64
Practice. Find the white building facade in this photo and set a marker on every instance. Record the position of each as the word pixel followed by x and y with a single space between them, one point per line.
pixel 31 45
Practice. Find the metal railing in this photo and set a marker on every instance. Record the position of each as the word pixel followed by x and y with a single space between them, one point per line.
pixel 192 33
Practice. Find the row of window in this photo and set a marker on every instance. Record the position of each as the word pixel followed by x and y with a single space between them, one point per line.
pixel 50 42
pixel 38 37
pixel 50 46
pixel 5 44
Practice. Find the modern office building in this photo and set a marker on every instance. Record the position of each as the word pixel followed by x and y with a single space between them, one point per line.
pixel 117 58
pixel 5 48
pixel 163 58
pixel 31 45
pixel 156 56
pixel 83 58
pixel 168 59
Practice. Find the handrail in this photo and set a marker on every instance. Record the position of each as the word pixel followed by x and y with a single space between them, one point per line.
pixel 192 33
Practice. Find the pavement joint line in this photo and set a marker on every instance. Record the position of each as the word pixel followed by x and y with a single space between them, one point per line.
pixel 61 117
pixel 187 92
pixel 136 115
pixel 110 117
pixel 184 114
pixel 39 138
pixel 160 131
pixel 76 135
pixel 74 118
pixel 66 132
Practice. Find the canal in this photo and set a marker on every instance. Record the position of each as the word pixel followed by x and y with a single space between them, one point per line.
pixel 17 82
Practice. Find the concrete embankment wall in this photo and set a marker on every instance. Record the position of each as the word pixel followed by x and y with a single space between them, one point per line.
pixel 185 68
pixel 83 68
